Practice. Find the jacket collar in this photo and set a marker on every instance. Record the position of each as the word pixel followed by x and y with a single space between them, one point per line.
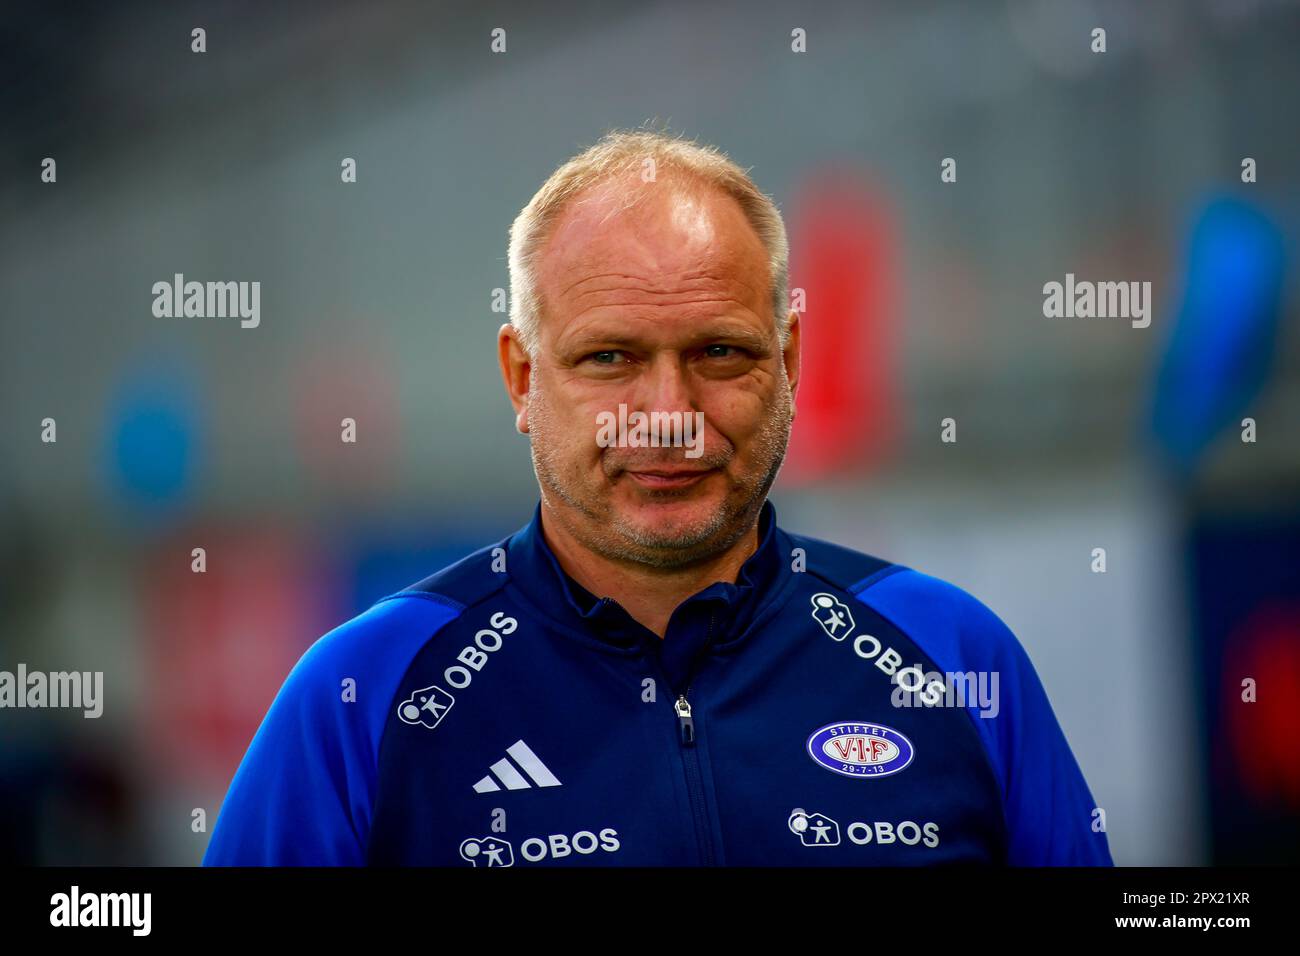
pixel 716 617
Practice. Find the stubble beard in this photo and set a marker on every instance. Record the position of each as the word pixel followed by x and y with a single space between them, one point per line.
pixel 601 528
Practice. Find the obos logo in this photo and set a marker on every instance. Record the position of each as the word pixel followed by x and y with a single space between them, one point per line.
pixel 426 706
pixel 860 749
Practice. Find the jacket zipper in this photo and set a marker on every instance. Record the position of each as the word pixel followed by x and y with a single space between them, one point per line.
pixel 686 724
pixel 694 772
pixel 691 765
pixel 694 775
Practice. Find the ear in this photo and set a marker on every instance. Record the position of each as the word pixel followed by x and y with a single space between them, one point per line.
pixel 790 357
pixel 516 369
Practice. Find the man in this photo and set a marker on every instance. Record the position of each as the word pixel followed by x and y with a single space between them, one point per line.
pixel 651 672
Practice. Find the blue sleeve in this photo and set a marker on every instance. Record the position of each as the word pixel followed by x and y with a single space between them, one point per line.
pixel 304 792
pixel 1048 808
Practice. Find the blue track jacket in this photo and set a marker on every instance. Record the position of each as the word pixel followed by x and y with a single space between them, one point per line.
pixel 829 708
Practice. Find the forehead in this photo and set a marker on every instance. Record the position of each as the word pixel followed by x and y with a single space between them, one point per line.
pixel 682 242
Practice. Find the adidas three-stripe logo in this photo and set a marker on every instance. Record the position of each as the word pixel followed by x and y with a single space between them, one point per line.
pixel 510 776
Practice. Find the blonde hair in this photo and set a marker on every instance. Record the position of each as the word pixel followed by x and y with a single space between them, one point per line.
pixel 622 152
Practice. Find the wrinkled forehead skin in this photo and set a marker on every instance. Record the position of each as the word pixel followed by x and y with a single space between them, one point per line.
pixel 684 251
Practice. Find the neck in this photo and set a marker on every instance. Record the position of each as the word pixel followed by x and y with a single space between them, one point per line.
pixel 648 594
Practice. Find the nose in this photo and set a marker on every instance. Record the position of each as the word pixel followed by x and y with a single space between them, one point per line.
pixel 663 386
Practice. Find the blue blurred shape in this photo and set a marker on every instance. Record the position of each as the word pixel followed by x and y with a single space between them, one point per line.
pixel 152 433
pixel 1221 347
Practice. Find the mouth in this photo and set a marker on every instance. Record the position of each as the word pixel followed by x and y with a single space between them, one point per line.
pixel 670 478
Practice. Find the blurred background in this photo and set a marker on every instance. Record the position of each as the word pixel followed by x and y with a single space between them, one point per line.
pixel 924 302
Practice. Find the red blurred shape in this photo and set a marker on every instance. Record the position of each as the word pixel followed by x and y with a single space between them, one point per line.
pixel 220 643
pixel 1265 735
pixel 844 258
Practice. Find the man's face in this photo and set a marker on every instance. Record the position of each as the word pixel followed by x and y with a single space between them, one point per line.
pixel 662 308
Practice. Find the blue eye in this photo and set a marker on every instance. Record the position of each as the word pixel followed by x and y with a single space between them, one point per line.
pixel 714 354
pixel 604 358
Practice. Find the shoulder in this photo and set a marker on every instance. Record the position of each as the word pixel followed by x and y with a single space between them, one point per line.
pixel 461 585
pixel 878 580
pixel 1049 808
pixel 949 622
pixel 837 565
pixel 306 788
pixel 379 644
